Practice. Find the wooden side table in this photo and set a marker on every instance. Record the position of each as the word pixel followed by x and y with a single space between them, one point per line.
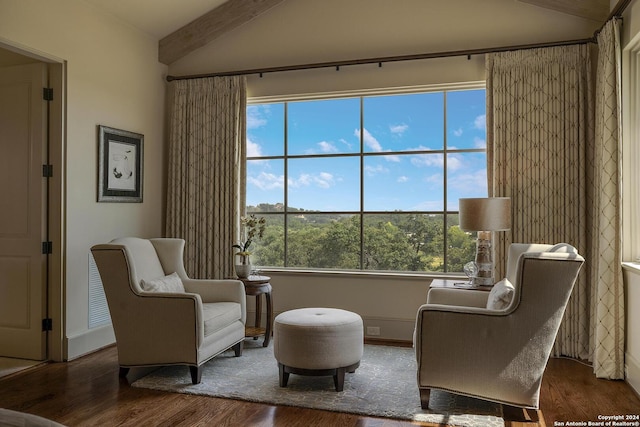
pixel 257 286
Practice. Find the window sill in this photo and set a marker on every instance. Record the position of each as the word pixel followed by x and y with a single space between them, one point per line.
pixel 633 267
pixel 361 274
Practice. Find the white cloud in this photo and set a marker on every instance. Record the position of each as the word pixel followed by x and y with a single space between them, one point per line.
pixel 403 179
pixel 303 180
pixel 255 116
pixel 267 181
pixel 479 143
pixel 428 160
pixel 399 128
pixel 454 163
pixel 480 122
pixel 436 179
pixel 395 159
pixel 468 181
pixel 253 149
pixel 346 143
pixel 458 132
pixel 371 171
pixel 419 148
pixel 322 180
pixel 327 147
pixel 369 140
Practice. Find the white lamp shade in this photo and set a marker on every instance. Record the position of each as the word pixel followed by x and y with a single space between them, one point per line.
pixel 485 214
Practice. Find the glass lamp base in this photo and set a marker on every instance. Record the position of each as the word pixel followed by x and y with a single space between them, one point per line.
pixel 484 260
pixel 482 281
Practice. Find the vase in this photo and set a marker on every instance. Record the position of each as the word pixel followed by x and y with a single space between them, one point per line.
pixel 243 266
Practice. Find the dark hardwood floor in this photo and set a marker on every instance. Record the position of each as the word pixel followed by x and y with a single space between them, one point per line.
pixel 88 392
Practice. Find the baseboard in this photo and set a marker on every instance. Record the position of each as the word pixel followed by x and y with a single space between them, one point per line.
pixel 390 330
pixel 391 343
pixel 89 341
pixel 632 369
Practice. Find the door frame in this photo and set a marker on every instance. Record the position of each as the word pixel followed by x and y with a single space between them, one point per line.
pixel 55 288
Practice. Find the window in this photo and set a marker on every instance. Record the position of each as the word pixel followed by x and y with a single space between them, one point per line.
pixel 368 182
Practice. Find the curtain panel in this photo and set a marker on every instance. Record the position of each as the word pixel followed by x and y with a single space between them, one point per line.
pixel 539 129
pixel 206 171
pixel 553 146
pixel 605 162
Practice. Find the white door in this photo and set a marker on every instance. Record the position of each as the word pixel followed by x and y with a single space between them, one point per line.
pixel 23 124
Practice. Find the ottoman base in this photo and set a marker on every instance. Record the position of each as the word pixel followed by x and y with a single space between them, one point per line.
pixel 337 373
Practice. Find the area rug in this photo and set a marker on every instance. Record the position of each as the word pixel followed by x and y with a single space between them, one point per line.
pixel 383 386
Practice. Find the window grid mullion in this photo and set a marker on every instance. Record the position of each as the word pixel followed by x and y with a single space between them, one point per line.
pixel 445 234
pixel 286 186
pixel 361 183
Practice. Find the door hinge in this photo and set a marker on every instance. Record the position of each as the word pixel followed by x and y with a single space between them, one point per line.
pixel 47 171
pixel 47 248
pixel 47 324
pixel 47 93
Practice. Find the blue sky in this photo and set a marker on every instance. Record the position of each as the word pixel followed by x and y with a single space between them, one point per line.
pixel 398 124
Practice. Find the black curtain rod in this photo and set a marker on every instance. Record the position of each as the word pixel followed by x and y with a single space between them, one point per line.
pixel 381 60
pixel 616 12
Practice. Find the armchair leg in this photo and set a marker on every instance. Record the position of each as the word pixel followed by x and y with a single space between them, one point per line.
pixel 123 372
pixel 238 348
pixel 424 397
pixel 196 374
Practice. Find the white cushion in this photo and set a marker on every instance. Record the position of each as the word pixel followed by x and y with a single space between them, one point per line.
pixel 501 295
pixel 170 283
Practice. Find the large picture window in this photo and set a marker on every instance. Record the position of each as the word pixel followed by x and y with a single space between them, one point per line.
pixel 367 182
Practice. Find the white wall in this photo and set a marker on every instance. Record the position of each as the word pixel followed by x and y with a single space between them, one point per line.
pixel 391 303
pixel 113 78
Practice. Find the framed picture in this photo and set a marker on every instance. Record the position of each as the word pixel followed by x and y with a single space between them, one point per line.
pixel 119 165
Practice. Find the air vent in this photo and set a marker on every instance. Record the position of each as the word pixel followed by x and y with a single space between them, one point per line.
pixel 98 309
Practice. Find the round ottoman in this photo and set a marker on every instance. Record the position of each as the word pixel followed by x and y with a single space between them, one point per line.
pixel 317 341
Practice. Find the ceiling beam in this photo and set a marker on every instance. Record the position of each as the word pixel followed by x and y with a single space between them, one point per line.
pixel 596 10
pixel 210 26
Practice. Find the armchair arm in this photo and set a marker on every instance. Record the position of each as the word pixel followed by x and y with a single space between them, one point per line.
pixel 219 290
pixel 168 326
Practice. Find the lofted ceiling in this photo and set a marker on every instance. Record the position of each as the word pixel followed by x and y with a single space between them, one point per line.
pixel 186 25
pixel 313 30
pixel 158 18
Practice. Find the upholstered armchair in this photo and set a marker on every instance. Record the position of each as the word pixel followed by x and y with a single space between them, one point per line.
pixel 495 345
pixel 162 317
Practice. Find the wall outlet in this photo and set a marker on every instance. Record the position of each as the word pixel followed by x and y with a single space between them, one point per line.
pixel 373 330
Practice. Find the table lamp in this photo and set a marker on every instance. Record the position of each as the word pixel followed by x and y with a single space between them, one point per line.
pixel 485 215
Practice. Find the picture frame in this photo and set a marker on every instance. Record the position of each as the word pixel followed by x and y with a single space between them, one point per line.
pixel 120 165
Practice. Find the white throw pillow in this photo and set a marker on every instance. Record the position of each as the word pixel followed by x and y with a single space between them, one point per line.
pixel 170 283
pixel 501 295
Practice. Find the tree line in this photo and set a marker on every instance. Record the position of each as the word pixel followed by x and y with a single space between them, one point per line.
pixel 394 241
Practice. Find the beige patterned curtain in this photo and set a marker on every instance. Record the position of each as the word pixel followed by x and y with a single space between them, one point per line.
pixel 563 175
pixel 607 290
pixel 539 127
pixel 206 172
